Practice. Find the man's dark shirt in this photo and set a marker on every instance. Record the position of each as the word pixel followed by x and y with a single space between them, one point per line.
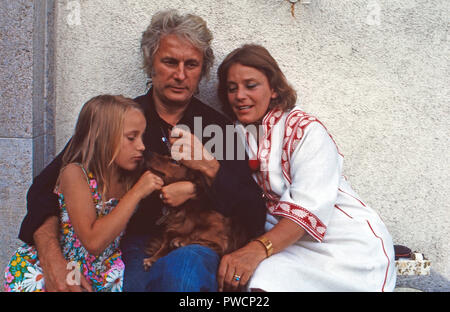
pixel 233 192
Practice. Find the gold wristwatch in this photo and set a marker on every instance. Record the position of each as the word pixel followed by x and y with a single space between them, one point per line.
pixel 267 244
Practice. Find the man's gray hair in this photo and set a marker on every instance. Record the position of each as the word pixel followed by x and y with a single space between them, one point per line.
pixel 190 27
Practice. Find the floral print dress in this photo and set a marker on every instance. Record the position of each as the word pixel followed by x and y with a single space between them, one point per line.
pixel 105 272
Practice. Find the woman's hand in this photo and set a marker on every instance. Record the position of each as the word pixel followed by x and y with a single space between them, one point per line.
pixel 242 262
pixel 147 184
pixel 178 193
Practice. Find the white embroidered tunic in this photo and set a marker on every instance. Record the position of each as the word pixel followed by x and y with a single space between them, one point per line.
pixel 347 247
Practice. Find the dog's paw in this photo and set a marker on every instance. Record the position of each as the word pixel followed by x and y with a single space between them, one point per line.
pixel 148 262
pixel 177 243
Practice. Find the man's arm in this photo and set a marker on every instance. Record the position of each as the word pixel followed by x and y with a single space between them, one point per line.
pixel 235 193
pixel 54 265
pixel 41 201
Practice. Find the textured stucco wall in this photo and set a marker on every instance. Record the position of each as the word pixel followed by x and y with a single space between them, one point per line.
pixel 26 114
pixel 16 117
pixel 16 87
pixel 375 72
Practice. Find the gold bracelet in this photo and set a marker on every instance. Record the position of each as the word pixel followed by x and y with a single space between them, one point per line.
pixel 267 244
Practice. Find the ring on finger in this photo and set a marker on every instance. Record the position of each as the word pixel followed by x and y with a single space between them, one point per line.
pixel 236 277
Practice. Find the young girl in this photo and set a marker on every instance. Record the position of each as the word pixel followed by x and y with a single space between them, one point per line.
pixel 99 168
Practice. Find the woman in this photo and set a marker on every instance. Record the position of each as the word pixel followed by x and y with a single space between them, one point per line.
pixel 319 235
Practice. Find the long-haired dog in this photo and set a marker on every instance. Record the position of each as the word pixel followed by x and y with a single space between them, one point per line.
pixel 193 222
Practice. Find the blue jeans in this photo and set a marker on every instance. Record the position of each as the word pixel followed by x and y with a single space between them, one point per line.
pixel 192 268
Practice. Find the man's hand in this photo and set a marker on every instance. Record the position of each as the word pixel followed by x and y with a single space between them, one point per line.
pixel 187 149
pixel 58 277
pixel 178 193
pixel 54 265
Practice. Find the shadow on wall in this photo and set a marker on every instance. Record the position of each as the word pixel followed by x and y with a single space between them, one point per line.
pixel 434 282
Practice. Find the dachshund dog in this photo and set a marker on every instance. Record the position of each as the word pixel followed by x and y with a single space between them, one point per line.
pixel 193 222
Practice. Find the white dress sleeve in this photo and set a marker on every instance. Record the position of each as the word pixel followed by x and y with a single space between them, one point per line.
pixel 312 174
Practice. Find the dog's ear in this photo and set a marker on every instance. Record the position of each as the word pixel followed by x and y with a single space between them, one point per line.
pixel 148 157
pixel 200 183
pixel 240 236
pixel 148 154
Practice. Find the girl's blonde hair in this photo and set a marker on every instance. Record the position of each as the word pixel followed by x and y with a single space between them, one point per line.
pixel 98 136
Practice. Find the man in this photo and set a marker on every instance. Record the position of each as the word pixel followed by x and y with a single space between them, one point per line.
pixel 177 55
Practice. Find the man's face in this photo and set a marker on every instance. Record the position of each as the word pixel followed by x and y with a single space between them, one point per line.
pixel 177 69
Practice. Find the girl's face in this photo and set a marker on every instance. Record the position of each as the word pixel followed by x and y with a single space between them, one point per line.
pixel 132 145
pixel 249 93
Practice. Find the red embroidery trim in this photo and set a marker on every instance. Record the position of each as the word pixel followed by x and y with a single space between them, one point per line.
pixel 295 125
pixel 310 222
pixel 270 120
pixel 253 161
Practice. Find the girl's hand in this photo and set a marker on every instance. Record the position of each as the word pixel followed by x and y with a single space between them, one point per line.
pixel 243 263
pixel 178 193
pixel 147 183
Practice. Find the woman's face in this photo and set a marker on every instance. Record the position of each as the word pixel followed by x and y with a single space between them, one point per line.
pixel 249 93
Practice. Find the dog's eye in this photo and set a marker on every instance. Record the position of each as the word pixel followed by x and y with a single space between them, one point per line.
pixel 157 172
